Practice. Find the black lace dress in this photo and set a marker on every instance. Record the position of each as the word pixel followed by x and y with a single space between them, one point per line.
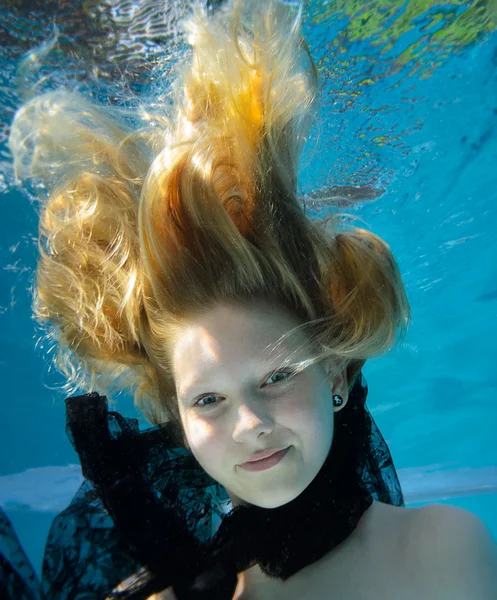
pixel 148 517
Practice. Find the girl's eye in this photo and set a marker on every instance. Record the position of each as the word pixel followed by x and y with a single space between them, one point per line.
pixel 197 403
pixel 280 376
pixel 276 374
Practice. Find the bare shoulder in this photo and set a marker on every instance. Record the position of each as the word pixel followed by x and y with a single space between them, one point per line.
pixel 454 551
pixel 436 552
pixel 434 523
pixel 442 526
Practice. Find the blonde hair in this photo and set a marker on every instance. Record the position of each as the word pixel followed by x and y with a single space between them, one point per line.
pixel 143 227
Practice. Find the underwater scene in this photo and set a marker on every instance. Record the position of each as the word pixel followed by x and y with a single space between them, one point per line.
pixel 405 145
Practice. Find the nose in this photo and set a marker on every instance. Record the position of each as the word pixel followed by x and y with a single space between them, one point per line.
pixel 252 420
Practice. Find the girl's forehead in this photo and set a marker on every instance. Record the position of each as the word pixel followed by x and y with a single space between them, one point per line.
pixel 246 315
pixel 266 331
pixel 222 339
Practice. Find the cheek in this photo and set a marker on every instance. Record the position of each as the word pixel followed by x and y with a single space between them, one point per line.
pixel 311 419
pixel 309 410
pixel 205 441
pixel 310 399
pixel 198 432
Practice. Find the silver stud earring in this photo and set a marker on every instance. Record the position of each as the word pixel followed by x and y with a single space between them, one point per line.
pixel 337 400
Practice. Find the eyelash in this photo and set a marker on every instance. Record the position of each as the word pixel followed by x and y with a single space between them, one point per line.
pixel 288 372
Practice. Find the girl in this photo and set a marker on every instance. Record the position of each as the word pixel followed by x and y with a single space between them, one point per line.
pixel 176 260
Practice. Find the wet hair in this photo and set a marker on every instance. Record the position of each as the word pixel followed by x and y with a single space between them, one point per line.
pixel 144 226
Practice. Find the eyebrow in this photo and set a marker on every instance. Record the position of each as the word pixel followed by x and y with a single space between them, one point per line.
pixel 197 382
pixel 204 376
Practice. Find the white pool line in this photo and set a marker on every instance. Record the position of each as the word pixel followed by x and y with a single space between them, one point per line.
pixel 51 489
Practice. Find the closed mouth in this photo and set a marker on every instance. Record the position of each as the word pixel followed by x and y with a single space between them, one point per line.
pixel 264 456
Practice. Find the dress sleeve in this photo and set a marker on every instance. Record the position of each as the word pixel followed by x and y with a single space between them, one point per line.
pixel 83 556
pixel 17 577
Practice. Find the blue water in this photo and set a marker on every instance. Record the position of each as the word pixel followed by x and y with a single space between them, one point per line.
pixel 416 119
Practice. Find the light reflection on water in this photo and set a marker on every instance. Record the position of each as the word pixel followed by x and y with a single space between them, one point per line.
pixel 363 49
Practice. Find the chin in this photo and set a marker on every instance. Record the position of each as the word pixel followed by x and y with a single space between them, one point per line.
pixel 275 500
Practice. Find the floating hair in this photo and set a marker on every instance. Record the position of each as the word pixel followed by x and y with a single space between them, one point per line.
pixel 143 228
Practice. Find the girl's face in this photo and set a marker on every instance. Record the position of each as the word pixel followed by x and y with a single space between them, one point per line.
pixel 236 399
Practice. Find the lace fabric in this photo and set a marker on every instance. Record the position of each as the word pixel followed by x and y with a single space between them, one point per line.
pixel 148 517
pixel 17 577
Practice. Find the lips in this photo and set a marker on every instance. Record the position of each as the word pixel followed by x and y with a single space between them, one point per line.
pixel 263 464
pixel 263 454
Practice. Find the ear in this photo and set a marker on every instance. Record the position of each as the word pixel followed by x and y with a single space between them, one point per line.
pixel 338 379
pixel 340 387
pixel 353 371
pixel 338 383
